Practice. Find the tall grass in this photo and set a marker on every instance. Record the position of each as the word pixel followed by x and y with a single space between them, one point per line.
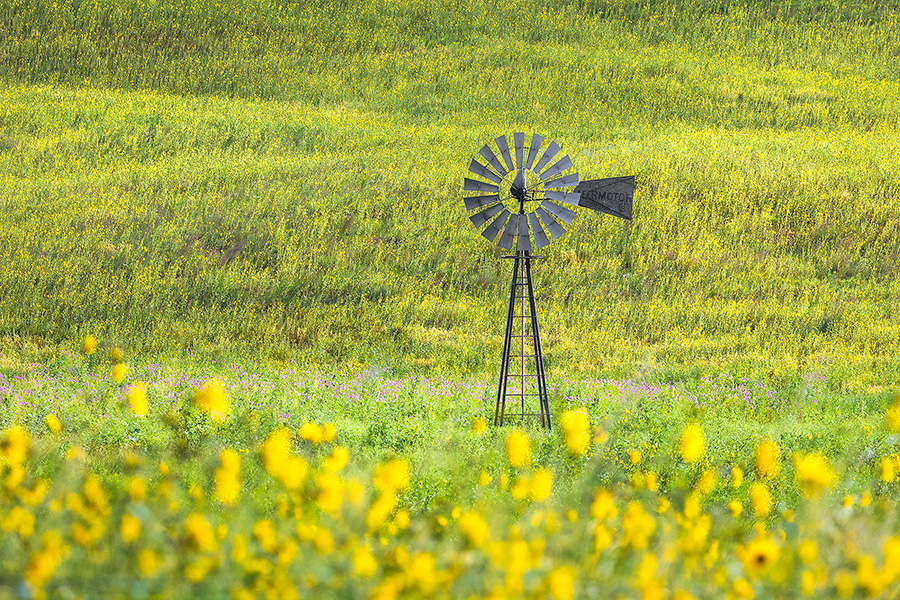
pixel 283 180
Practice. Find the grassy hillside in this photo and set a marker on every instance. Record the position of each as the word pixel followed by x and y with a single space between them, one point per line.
pixel 282 180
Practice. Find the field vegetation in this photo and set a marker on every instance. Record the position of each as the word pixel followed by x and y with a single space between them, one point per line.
pixel 248 336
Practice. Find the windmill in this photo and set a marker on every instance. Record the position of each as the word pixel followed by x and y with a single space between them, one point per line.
pixel 520 199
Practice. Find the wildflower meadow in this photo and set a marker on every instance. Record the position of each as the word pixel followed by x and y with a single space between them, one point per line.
pixel 249 339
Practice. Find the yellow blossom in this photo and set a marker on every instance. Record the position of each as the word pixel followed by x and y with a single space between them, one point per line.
pixel 364 563
pixel 53 423
pixel 692 445
pixel 89 346
pixel 518 448
pixel 199 533
pixel 15 445
pixel 888 472
pixel 120 372
pixel 561 582
pixel 540 485
pixel 484 478
pixel 735 507
pixel 311 432
pixel 474 528
pixel 331 493
pixel 603 506
pixel 212 398
pixel 637 526
pixel 129 528
pixel 759 555
pixel 228 477
pixel 137 489
pixel 148 562
pixel 813 473
pixel 577 429
pixel 635 457
pixel 737 477
pixel 480 425
pixel 137 398
pixel 768 460
pixel 337 460
pixel 391 476
pixel 760 499
pixel 328 432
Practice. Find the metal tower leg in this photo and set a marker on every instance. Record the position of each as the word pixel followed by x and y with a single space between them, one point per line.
pixel 507 346
pixel 538 354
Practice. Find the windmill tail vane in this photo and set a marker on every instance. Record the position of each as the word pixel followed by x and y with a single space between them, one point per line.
pixel 518 199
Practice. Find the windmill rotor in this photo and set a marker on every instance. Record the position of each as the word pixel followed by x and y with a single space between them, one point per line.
pixel 511 184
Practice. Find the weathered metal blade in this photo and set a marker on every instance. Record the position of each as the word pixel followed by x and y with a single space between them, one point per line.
pixel 479 169
pixel 479 219
pixel 564 181
pixel 471 185
pixel 508 237
pixel 563 164
pixel 613 196
pixel 560 212
pixel 550 223
pixel 488 155
pixel 503 146
pixel 523 242
pixel 551 151
pixel 496 225
pixel 540 238
pixel 536 141
pixel 562 197
pixel 476 202
pixel 519 144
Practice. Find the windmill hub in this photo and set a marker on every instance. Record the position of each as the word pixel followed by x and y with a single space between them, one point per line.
pixel 551 186
pixel 519 188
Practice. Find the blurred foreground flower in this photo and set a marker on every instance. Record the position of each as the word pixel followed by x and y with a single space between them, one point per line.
pixel 53 423
pixel 576 426
pixel 137 398
pixel 213 399
pixel 692 445
pixel 813 473
pixel 119 372
pixel 768 458
pixel 480 425
pixel 90 345
pixel 518 448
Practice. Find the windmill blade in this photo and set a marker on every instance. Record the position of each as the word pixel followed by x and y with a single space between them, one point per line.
pixel 509 234
pixel 503 146
pixel 476 202
pixel 564 164
pixel 496 225
pixel 540 238
pixel 479 169
pixel 551 151
pixel 563 197
pixel 471 185
pixel 523 242
pixel 536 141
pixel 564 181
pixel 613 196
pixel 550 223
pixel 479 219
pixel 488 155
pixel 560 212
pixel 519 144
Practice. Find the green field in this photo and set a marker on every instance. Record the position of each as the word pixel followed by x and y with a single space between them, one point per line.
pixel 269 195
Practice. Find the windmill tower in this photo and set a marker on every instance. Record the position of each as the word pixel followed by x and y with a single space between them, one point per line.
pixel 519 202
